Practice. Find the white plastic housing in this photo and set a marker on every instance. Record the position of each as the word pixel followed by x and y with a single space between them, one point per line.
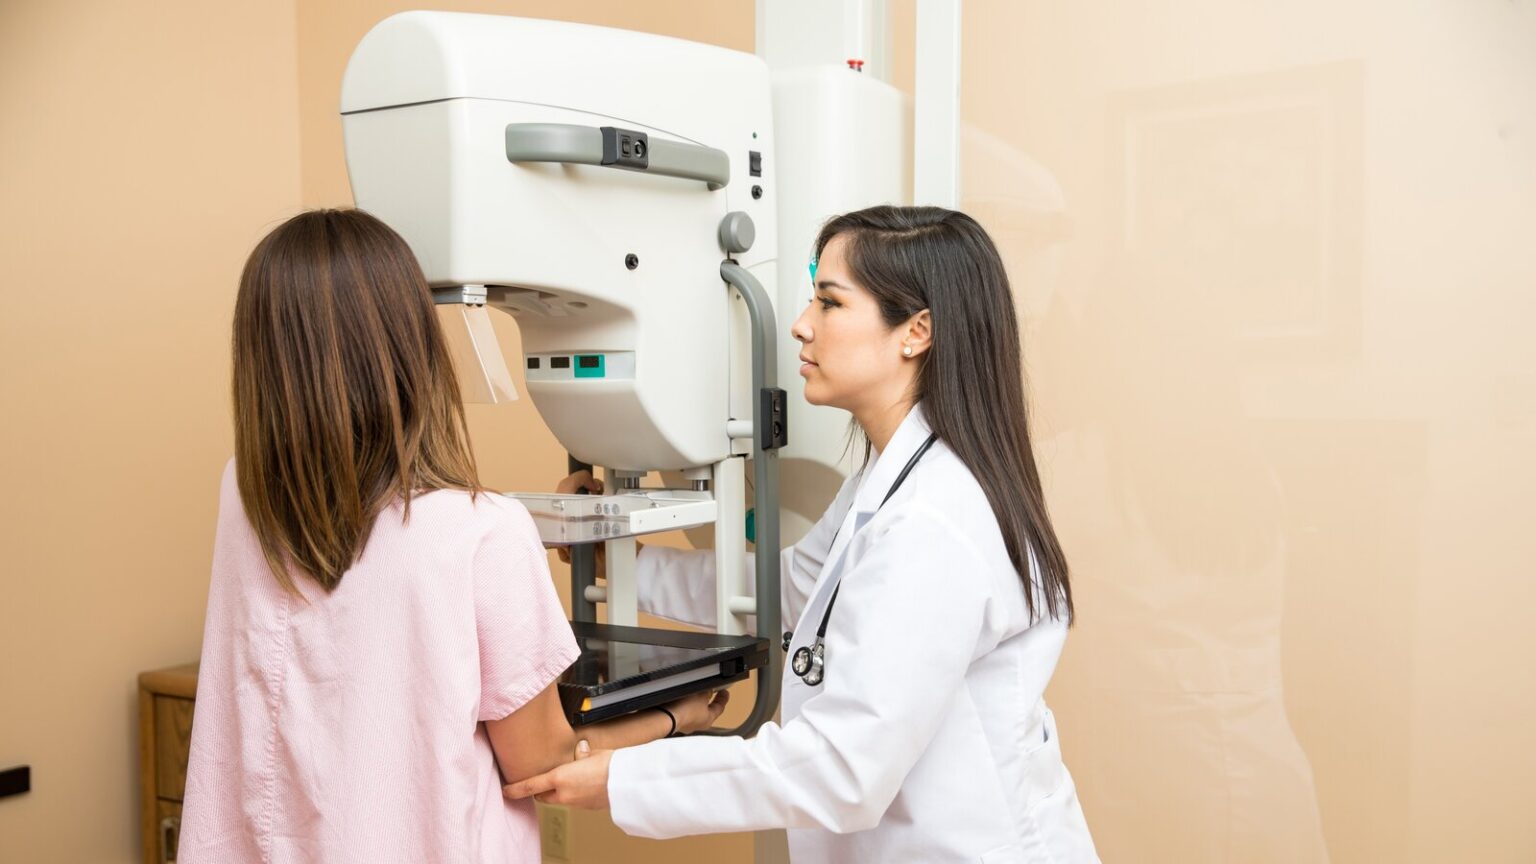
pixel 842 145
pixel 426 100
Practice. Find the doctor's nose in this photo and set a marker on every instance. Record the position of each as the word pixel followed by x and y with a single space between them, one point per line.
pixel 800 330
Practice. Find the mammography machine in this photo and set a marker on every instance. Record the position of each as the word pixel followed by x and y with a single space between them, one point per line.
pixel 623 196
pixel 602 197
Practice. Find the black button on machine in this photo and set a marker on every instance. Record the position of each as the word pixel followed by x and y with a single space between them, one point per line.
pixel 754 163
pixel 559 362
pixel 533 362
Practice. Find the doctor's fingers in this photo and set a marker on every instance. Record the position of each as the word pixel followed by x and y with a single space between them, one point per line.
pixel 564 794
pixel 575 795
pixel 535 786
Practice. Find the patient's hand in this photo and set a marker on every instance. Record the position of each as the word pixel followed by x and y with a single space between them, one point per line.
pixel 571 485
pixel 700 711
pixel 581 480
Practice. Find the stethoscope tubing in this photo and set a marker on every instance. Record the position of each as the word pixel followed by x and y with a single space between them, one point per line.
pixel 810 661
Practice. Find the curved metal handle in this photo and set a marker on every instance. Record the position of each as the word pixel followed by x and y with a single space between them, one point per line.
pixel 765 468
pixel 170 828
pixel 612 147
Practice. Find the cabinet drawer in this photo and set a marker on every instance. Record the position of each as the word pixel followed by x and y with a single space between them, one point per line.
pixel 173 738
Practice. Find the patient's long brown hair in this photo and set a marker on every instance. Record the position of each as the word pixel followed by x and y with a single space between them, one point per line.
pixel 344 394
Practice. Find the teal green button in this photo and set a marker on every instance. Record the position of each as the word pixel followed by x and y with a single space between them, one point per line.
pixel 590 366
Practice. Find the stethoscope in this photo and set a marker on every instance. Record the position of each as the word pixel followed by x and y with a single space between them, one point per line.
pixel 810 661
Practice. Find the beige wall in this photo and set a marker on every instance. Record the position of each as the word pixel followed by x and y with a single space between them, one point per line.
pixel 144 148
pixel 1280 346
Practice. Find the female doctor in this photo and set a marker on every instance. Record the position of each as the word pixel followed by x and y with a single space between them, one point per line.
pixel 932 598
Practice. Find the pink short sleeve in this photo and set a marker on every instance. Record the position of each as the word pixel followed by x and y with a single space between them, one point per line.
pixel 525 638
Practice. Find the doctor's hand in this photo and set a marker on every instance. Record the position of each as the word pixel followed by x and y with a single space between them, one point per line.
pixel 582 783
pixel 700 711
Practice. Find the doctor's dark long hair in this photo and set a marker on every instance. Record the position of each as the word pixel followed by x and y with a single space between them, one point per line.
pixel 344 394
pixel 971 381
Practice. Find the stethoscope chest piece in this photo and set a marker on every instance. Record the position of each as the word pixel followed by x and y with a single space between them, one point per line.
pixel 810 663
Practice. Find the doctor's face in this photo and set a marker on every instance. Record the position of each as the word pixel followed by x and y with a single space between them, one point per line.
pixel 849 358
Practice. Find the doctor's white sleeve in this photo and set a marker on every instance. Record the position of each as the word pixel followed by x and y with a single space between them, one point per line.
pixel 914 611
pixel 679 584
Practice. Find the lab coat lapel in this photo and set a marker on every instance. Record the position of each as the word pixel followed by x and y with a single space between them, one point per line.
pixel 877 480
pixel 873 486
pixel 810 616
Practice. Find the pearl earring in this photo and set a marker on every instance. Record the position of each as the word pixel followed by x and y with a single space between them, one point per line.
pixel 906 351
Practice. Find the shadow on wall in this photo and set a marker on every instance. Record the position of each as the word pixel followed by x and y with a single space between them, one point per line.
pixel 1187 491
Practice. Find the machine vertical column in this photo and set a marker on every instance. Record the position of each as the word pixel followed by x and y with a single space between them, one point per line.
pixel 622 599
pixel 730 542
pixel 583 575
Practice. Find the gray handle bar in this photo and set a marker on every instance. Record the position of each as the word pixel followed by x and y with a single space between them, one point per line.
pixel 612 147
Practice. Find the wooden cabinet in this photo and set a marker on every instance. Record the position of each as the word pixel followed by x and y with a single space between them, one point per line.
pixel 165 735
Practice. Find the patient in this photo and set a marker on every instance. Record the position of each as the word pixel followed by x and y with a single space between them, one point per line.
pixel 382 636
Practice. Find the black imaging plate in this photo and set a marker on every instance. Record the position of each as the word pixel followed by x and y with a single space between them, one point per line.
pixel 622 670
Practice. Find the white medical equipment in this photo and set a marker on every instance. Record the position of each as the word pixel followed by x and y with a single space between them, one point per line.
pixel 607 189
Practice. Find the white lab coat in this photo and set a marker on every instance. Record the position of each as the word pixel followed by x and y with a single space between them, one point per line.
pixel 929 740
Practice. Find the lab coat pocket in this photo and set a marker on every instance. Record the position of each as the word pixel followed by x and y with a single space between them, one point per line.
pixel 1010 854
pixel 1044 771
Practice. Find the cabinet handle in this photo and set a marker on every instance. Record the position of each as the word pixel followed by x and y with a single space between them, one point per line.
pixel 170 828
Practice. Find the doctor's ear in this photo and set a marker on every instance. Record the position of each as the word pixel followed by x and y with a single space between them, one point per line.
pixel 918 337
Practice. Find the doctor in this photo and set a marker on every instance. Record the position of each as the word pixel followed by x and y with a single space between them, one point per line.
pixel 932 598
